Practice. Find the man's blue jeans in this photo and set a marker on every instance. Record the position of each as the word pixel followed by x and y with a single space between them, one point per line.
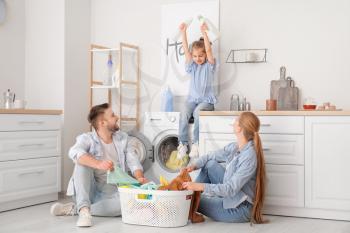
pixel 191 108
pixel 212 207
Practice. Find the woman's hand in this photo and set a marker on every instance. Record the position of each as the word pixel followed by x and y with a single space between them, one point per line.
pixel 183 27
pixel 193 186
pixel 190 168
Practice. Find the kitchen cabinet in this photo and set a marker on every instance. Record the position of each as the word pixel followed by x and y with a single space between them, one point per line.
pixel 306 157
pixel 327 173
pixel 30 157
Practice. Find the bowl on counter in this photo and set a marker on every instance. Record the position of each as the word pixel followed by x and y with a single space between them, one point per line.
pixel 309 106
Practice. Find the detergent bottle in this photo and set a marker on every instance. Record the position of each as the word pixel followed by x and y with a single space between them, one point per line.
pixel 167 100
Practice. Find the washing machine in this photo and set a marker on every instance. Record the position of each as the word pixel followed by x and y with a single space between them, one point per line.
pixel 161 129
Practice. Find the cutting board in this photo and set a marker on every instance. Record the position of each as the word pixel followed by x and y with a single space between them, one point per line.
pixel 277 84
pixel 288 96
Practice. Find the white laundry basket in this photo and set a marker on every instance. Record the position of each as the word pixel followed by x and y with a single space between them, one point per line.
pixel 155 207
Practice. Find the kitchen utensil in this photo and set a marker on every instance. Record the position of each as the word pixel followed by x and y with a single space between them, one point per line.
pixel 271 105
pixel 234 105
pixel 247 106
pixel 309 106
pixel 8 99
pixel 20 104
pixel 277 84
pixel 288 96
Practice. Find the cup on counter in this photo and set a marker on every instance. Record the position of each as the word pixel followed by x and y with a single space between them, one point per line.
pixel 19 104
pixel 271 105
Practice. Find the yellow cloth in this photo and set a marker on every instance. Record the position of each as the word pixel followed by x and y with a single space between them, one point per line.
pixel 174 163
pixel 163 181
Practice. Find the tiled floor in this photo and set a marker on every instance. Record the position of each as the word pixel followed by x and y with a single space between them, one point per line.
pixel 36 219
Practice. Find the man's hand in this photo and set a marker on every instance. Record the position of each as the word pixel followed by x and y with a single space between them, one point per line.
pixel 142 180
pixel 193 186
pixel 106 165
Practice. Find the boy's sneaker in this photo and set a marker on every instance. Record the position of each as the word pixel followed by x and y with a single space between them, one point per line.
pixel 59 209
pixel 85 218
pixel 181 151
pixel 194 151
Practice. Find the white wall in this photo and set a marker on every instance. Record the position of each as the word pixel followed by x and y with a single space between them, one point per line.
pixel 77 42
pixel 12 33
pixel 44 54
pixel 311 38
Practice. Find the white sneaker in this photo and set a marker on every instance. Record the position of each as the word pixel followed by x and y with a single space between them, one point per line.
pixel 85 218
pixel 194 151
pixel 181 151
pixel 59 209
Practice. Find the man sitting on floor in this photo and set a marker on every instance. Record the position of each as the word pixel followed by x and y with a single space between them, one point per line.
pixel 94 154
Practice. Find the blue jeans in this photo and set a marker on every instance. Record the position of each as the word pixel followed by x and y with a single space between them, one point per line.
pixel 212 207
pixel 191 108
pixel 101 198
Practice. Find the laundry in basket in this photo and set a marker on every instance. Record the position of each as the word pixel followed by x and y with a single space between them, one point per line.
pixel 120 177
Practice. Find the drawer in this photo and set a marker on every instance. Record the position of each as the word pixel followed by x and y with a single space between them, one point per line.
pixel 216 124
pixel 282 124
pixel 211 142
pixel 268 124
pixel 278 149
pixel 28 178
pixel 283 149
pixel 285 185
pixel 29 144
pixel 22 122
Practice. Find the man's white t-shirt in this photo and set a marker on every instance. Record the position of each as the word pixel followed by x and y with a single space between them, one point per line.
pixel 109 153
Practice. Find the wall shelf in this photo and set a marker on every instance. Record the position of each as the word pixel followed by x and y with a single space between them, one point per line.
pixel 247 56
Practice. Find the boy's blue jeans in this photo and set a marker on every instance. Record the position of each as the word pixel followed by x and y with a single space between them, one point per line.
pixel 212 207
pixel 191 108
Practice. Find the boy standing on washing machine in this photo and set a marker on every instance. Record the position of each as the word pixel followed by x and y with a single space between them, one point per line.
pixel 200 65
pixel 94 154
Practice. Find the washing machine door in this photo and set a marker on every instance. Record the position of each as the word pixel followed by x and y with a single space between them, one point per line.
pixel 142 148
pixel 165 152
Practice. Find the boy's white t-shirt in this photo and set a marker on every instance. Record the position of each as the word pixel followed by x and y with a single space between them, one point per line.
pixel 109 153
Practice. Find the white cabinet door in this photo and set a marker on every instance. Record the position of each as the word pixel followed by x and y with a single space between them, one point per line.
pixel 29 178
pixel 327 162
pixel 285 185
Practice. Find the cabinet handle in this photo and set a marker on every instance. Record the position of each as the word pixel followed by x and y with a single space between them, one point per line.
pixel 266 149
pixel 30 145
pixel 265 125
pixel 31 122
pixel 155 119
pixel 33 172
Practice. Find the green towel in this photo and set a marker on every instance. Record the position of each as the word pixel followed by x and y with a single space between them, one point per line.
pixel 118 176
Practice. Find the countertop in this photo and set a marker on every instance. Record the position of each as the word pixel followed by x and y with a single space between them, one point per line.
pixel 279 113
pixel 31 111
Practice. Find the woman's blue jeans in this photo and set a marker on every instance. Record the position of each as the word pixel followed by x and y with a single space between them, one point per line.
pixel 212 207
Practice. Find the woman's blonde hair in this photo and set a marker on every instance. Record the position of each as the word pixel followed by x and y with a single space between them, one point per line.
pixel 250 125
